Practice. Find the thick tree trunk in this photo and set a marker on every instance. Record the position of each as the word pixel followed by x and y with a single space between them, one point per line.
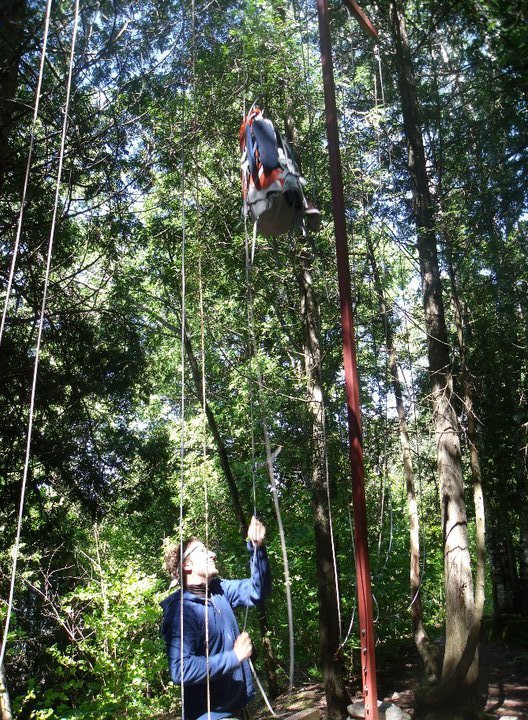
pixel 478 496
pixel 428 651
pixel 460 603
pixel 12 15
pixel 327 587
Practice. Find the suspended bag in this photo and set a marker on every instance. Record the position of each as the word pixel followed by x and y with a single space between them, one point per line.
pixel 272 186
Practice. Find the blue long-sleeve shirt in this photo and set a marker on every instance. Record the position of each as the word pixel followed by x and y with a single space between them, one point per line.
pixel 230 684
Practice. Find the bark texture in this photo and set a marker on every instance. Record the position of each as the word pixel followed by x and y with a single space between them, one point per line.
pixel 458 581
pixel 474 460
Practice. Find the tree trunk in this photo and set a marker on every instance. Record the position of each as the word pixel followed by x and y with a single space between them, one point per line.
pixel 458 581
pixel 428 651
pixel 12 15
pixel 327 582
pixel 327 587
pixel 478 497
pixel 5 702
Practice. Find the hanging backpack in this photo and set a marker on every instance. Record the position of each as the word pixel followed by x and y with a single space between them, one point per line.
pixel 272 186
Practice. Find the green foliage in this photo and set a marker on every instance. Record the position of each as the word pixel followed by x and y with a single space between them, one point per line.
pixel 113 665
pixel 120 444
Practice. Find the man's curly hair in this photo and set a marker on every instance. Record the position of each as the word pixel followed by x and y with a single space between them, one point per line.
pixel 173 561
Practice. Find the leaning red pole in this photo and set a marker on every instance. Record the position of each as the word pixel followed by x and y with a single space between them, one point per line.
pixel 366 622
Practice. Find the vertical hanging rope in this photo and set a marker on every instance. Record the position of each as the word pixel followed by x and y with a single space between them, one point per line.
pixel 305 52
pixel 351 625
pixel 331 523
pixel 205 481
pixel 269 462
pixel 202 363
pixel 28 167
pixel 182 372
pixel 382 88
pixel 39 336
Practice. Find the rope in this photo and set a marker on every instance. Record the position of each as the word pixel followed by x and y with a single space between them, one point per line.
pixel 269 465
pixel 202 369
pixel 311 113
pixel 182 380
pixel 331 525
pixel 249 308
pixel 39 337
pixel 351 625
pixel 382 88
pixel 261 689
pixel 28 167
pixel 205 481
pixel 251 326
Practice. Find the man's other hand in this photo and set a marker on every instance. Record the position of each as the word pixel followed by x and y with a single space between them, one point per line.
pixel 243 647
pixel 256 531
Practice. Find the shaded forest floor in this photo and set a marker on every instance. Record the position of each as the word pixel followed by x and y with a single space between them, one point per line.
pixel 503 671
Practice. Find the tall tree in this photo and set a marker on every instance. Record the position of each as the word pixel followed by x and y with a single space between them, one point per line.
pixel 460 663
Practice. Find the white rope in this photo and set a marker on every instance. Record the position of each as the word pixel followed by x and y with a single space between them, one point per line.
pixel 305 50
pixel 331 524
pixel 204 395
pixel 261 689
pixel 380 71
pixel 39 337
pixel 205 488
pixel 182 397
pixel 249 308
pixel 351 625
pixel 269 466
pixel 251 326
pixel 28 167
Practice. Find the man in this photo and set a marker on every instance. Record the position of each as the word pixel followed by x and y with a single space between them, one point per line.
pixel 216 666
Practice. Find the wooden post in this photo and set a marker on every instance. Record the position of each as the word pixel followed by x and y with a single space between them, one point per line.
pixel 366 622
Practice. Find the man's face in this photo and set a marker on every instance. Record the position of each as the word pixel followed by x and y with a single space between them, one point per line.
pixel 200 562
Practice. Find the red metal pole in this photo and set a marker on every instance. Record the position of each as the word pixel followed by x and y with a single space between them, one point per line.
pixel 366 622
pixel 362 19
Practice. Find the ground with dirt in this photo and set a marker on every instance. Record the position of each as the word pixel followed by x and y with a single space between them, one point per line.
pixel 503 672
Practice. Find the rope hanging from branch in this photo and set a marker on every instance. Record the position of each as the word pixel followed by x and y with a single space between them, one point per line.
pixel 183 317
pixel 39 335
pixel 269 459
pixel 305 50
